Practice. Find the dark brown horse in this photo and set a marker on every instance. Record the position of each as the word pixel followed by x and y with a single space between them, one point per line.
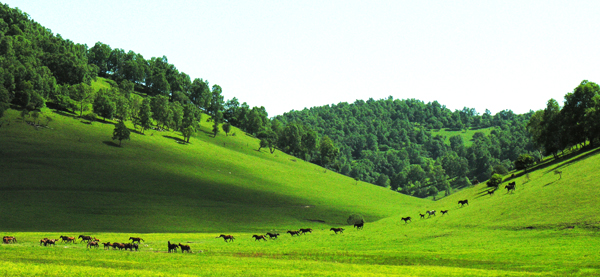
pixel 172 247
pixel 444 212
pixel 43 241
pixel 133 240
pixel 107 245
pixel 406 219
pixel 227 238
pixel 337 230
pixel 304 231
pixel 85 238
pixel 294 233
pixel 463 202
pixel 259 237
pixel 9 239
pixel 422 215
pixel 184 248
pixel 273 235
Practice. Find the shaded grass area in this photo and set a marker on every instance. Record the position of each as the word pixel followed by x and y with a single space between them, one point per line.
pixel 73 177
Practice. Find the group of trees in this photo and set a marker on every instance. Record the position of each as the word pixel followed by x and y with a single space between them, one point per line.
pixel 389 142
pixel 555 129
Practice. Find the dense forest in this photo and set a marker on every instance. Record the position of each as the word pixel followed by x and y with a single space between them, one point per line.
pixel 387 142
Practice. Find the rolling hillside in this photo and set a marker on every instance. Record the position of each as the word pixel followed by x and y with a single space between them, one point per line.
pixel 72 176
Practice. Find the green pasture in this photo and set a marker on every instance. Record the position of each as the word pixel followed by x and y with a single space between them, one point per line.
pixel 467 135
pixel 71 179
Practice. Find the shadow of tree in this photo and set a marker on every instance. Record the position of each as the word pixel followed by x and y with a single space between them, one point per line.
pixel 111 143
pixel 176 139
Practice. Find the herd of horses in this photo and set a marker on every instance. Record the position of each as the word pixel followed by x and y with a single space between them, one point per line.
pixel 93 242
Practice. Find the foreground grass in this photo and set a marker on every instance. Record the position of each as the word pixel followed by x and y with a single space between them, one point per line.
pixel 385 249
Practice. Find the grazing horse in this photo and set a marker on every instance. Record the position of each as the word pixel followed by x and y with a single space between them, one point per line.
pixel 226 237
pixel 359 225
pixel 422 215
pixel 293 233
pixel 406 219
pixel 432 212
pixel 173 247
pixel 273 235
pixel 337 230
pixel 133 240
pixel 510 186
pixel 463 202
pixel 444 212
pixel 85 238
pixel 92 244
pixel 107 245
pixel 304 231
pixel 184 248
pixel 67 239
pixel 491 192
pixel 259 237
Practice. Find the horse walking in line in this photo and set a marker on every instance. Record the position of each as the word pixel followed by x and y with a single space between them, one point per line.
pixel 430 213
pixel 422 215
pixel 337 230
pixel 294 233
pixel 85 238
pixel 259 237
pixel 184 248
pixel 304 231
pixel 444 212
pixel 133 240
pixel 406 219
pixel 273 235
pixel 226 238
pixel 92 244
pixel 463 202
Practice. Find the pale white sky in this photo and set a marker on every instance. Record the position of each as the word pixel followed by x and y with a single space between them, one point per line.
pixel 288 55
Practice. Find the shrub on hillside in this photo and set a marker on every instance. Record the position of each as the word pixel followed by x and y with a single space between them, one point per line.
pixel 90 116
pixel 354 219
pixel 494 181
pixel 524 161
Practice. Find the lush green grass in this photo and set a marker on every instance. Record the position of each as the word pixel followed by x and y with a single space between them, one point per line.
pixel 467 135
pixel 72 179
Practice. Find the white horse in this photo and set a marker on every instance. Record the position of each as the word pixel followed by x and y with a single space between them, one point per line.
pixel 432 212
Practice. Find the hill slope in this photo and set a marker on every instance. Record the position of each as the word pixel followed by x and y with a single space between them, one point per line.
pixel 73 177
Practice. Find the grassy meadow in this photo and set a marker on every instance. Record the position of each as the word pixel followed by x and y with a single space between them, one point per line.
pixel 72 179
pixel 467 135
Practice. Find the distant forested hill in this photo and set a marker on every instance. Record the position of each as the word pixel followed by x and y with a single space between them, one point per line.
pixel 389 142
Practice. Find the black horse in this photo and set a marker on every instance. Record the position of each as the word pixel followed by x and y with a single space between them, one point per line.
pixel 463 202
pixel 273 235
pixel 359 225
pixel 406 219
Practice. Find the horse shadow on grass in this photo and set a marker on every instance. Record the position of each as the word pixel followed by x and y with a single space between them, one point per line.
pixel 110 143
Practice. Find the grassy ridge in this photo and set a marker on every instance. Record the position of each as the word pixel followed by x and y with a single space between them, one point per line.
pixel 75 173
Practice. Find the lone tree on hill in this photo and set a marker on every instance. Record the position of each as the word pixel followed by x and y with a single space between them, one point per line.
pixel 121 132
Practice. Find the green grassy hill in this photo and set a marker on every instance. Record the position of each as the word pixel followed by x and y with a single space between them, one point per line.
pixel 72 179
pixel 72 176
